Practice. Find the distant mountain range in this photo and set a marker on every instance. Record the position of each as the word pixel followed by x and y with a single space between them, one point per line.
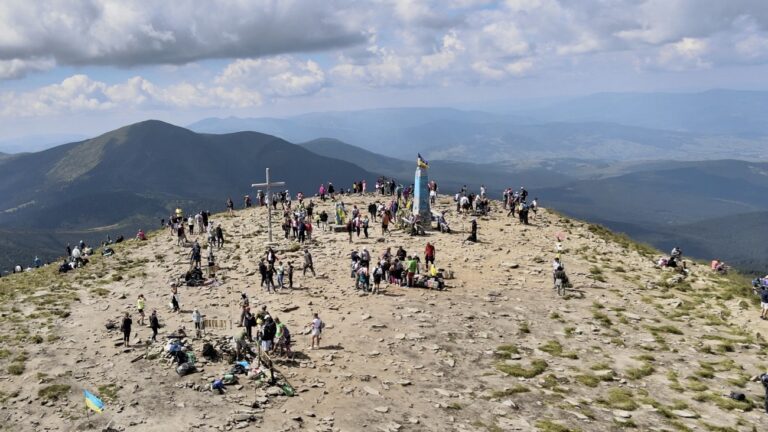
pixel 34 143
pixel 452 175
pixel 613 127
pixel 717 112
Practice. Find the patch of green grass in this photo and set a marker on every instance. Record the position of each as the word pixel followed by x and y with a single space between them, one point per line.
pixel 505 350
pixel 740 381
pixel 602 319
pixel 600 366
pixel 552 383
pixel 716 428
pixel 16 368
pixel 641 372
pixel 569 331
pixel 53 392
pixel 454 406
pixel 696 385
pixel 554 348
pixel 588 380
pixel 510 391
pixel 4 353
pixel 665 329
pixel 108 391
pixel 99 292
pixel 645 357
pixel 538 366
pixel 550 426
pixel 619 398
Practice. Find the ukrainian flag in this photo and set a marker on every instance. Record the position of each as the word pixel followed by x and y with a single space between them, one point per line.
pixel 93 402
pixel 421 163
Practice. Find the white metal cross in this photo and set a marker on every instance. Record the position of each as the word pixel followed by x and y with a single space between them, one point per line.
pixel 268 198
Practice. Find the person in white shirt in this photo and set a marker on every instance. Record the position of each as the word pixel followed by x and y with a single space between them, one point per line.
pixel 197 319
pixel 317 329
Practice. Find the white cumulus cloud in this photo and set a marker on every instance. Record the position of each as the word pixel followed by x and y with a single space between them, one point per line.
pixel 279 76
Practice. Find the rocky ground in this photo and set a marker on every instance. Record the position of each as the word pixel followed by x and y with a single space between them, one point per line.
pixel 631 346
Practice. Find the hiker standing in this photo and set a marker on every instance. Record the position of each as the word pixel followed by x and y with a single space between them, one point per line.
pixel 378 272
pixel 280 275
pixel 429 255
pixel 364 223
pixel 195 256
pixel 270 280
pixel 412 266
pixel 230 206
pixel 372 208
pixel 764 380
pixel 764 303
pixel 244 307
pixel 126 327
pixel 321 192
pixel 290 274
pixel 175 299
pixel 140 306
pixel 154 324
pixel 219 237
pixel 248 322
pixel 268 334
pixel 197 319
pixel 317 330
pixel 308 263
pixel 385 218
pixel 262 272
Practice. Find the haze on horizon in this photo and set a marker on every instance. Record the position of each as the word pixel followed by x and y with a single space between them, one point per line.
pixel 84 67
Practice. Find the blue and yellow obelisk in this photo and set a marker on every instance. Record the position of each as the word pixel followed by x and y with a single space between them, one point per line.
pixel 421 194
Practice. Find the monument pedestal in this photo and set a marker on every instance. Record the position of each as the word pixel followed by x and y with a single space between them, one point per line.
pixel 421 198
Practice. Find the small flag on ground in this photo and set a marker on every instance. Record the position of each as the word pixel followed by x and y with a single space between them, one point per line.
pixel 93 402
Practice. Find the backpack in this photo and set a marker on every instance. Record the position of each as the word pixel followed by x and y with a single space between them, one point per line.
pixel 209 351
pixel 737 396
pixel 185 369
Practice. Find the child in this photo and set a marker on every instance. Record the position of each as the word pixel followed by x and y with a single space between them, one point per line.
pixel 140 306
pixel 290 274
pixel 317 329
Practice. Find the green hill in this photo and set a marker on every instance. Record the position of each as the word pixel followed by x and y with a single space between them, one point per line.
pixel 133 176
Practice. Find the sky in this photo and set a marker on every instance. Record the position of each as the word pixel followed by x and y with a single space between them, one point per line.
pixel 88 66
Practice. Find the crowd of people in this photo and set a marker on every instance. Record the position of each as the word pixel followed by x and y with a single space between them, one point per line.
pixel 392 205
